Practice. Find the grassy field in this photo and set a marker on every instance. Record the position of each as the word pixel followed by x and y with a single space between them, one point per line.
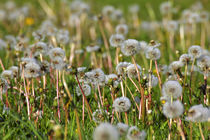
pixel 77 74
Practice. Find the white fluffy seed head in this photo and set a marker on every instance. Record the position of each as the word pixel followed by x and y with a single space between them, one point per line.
pixel 122 128
pixel 113 80
pixel 116 40
pixel 172 89
pixel 171 26
pixel 86 89
pixel 131 70
pixel 105 131
pixel 56 52
pixel 7 74
pixel 153 53
pixel 198 113
pixel 203 62
pixel 121 67
pixel 32 70
pixel 173 110
pixel 130 47
pixel 122 29
pixel 98 115
pixel 135 134
pixel 185 58
pixel 121 104
pixel 165 7
pixel 92 48
pixel 96 77
pixel 175 66
pixel 195 51
pixel 57 63
pixel 15 70
pixel 108 10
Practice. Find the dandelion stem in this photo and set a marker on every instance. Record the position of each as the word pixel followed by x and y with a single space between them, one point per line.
pixel 158 74
pixel 57 88
pixel 201 131
pixel 150 84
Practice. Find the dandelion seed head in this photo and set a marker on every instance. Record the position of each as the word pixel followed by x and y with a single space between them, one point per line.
pixel 131 70
pixel 113 79
pixel 122 128
pixel 172 89
pixel 135 134
pixel 105 131
pixel 175 66
pixel 153 53
pixel 165 7
pixel 86 89
pixel 122 29
pixel 7 74
pixel 56 52
pixel 198 113
pixel 121 67
pixel 185 58
pixel 116 40
pixel 92 48
pixel 32 70
pixel 96 77
pixel 195 51
pixel 108 10
pixel 173 110
pixel 121 104
pixel 130 47
pixel 99 115
pixel 57 63
pixel 134 9
pixel 15 70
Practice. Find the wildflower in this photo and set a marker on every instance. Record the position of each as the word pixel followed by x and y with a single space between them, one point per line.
pixel 92 48
pixel 113 80
pixel 108 10
pixel 121 67
pixel 99 115
pixel 171 26
pixel 185 58
pixel 203 61
pixel 86 89
pixel 121 104
pixel 194 17
pixel 96 77
pixel 153 53
pixel 3 44
pixel 117 15
pixel 173 110
pixel 154 80
pixel 116 40
pixel 32 70
pixel 56 52
pixel 135 134
pixel 166 7
pixel 143 45
pixel 62 36
pixel 7 74
pixel 163 68
pixel 105 131
pixel 39 48
pixel 131 70
pixel 198 113
pixel 3 85
pixel 57 63
pixel 134 9
pixel 195 51
pixel 164 99
pixel 26 60
pixel 122 128
pixel 175 66
pixel 204 16
pixel 15 70
pixel 122 29
pixel 172 89
pixel 130 47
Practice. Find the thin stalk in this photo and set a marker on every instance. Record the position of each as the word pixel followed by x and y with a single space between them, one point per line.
pixel 201 131
pixel 158 74
pixel 150 84
pixel 57 89
pixel 78 125
pixel 180 129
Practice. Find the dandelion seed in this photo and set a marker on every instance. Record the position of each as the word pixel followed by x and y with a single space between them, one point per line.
pixel 130 47
pixel 134 9
pixel 166 7
pixel 172 89
pixel 154 81
pixel 86 89
pixel 116 40
pixel 117 15
pixel 135 134
pixel 57 63
pixel 204 16
pixel 173 110
pixel 171 26
pixel 96 77
pixel 105 131
pixel 203 62
pixel 175 66
pixel 39 48
pixel 121 104
pixel 198 113
pixel 131 70
pixel 108 10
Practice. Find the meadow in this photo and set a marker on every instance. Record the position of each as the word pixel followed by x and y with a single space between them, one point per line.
pixel 104 69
